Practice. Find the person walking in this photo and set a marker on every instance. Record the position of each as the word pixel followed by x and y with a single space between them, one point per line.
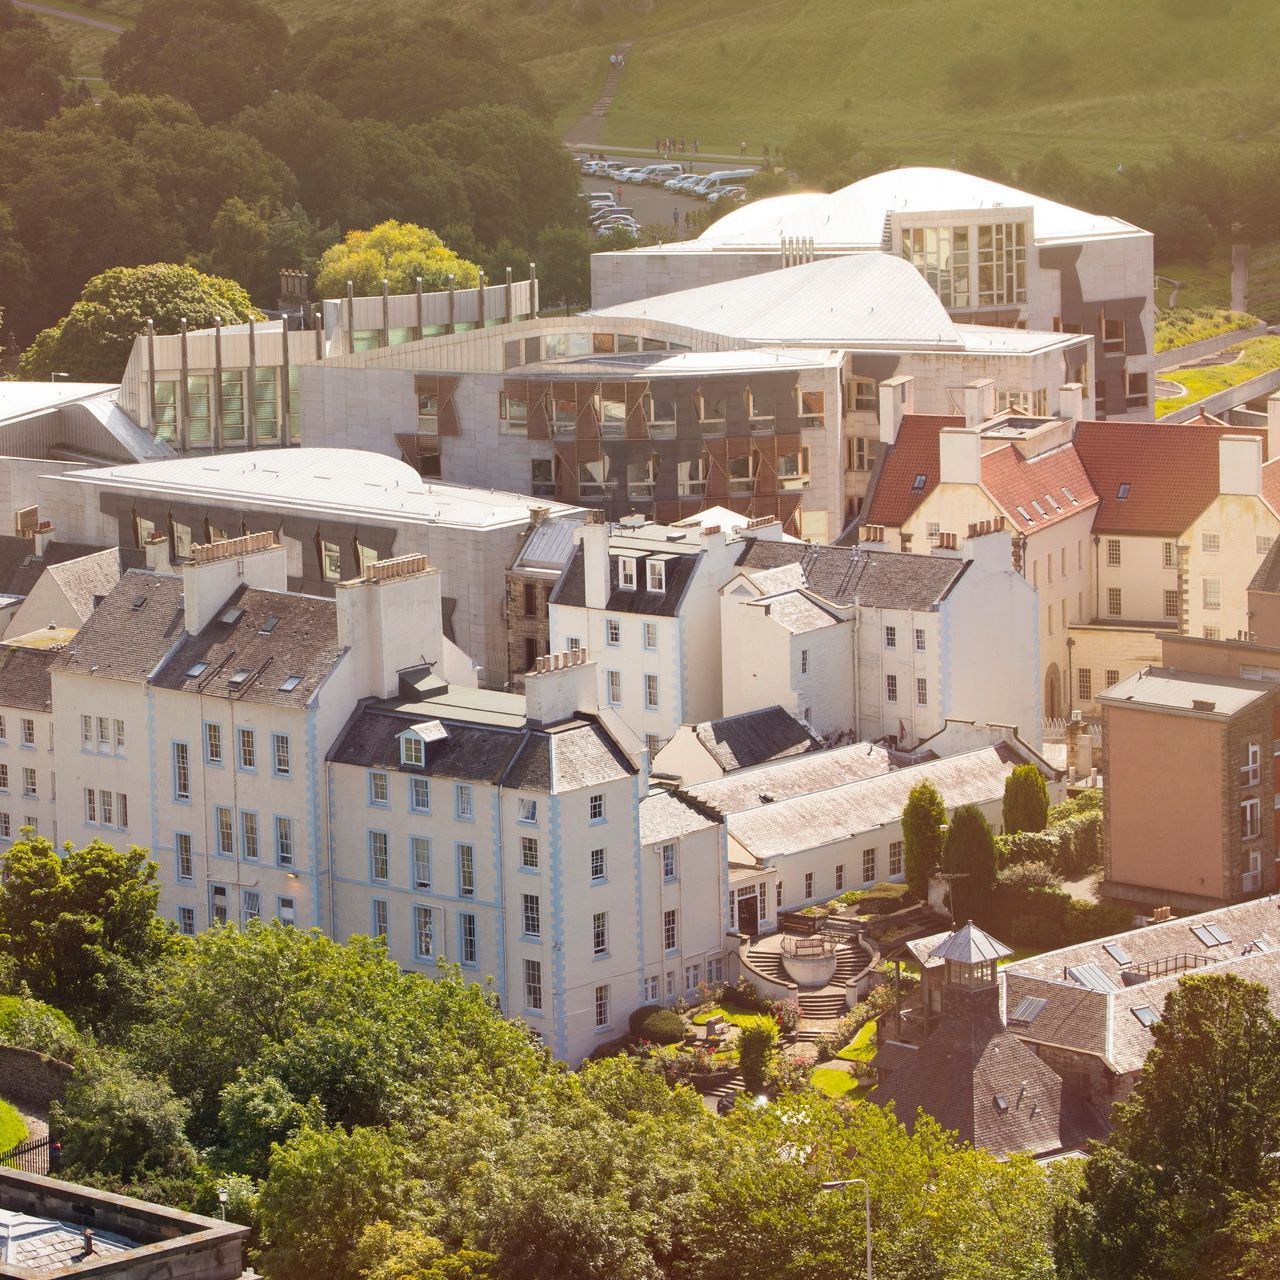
pixel 742 149
pixel 675 218
pixel 695 146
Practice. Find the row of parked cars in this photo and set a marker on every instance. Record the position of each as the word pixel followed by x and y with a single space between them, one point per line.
pixel 605 214
pixel 725 184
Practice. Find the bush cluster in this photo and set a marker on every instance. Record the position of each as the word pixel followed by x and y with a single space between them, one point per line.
pixel 1071 848
pixel 657 1025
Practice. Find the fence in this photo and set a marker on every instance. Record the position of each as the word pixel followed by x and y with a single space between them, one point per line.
pixel 36 1155
pixel 1054 729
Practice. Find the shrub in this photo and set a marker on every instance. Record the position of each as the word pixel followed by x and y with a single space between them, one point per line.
pixel 828 1046
pixel 1083 802
pixel 657 1025
pixel 1028 846
pixel 743 992
pixel 786 1013
pixel 1079 845
pixel 1033 931
pixel 32 1024
pixel 1029 875
pixel 756 1048
pixel 1026 800
pixel 1084 920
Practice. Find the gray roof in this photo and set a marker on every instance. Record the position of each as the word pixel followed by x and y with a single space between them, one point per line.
pixel 668 815
pixel 755 737
pixel 848 575
pixel 970 945
pixel 87 579
pixel 1267 577
pixel 790 777
pixel 130 632
pixel 549 545
pixel 571 589
pixel 1188 692
pixel 36 1246
pixel 24 677
pixel 797 613
pixel 20 568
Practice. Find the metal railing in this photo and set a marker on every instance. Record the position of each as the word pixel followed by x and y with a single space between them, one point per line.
pixel 36 1155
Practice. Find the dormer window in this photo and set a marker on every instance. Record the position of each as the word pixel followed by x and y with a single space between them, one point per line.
pixel 627 573
pixel 657 575
pixel 413 751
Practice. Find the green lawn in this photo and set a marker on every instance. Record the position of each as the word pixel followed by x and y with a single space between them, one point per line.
pixel 1255 356
pixel 832 1081
pixel 1185 325
pixel 1208 284
pixel 12 1130
pixel 735 1014
pixel 862 1048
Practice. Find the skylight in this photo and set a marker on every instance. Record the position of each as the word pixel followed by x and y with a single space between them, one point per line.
pixel 197 669
pixel 138 602
pixel 1028 1009
pixel 290 683
pixel 1089 975
pixel 1048 497
pixel 918 483
pixel 269 626
pixel 1117 952
pixel 1025 514
pixel 1039 510
pixel 240 677
pixel 1146 1015
pixel 1075 502
pixel 1210 935
pixel 1001 1103
pixel 232 615
pixel 1122 492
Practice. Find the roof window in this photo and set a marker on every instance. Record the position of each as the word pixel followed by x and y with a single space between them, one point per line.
pixel 1089 975
pixel 1210 935
pixel 1001 1103
pixel 1145 1014
pixel 269 625
pixel 1071 497
pixel 1026 515
pixel 1122 492
pixel 1039 510
pixel 138 602
pixel 197 669
pixel 1117 951
pixel 240 677
pixel 918 483
pixel 232 616
pixel 290 683
pixel 1028 1009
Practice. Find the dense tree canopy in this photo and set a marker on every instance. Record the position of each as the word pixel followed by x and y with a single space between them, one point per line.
pixel 93 340
pixel 398 252
pixel 923 820
pixel 34 70
pixel 219 55
pixel 1026 801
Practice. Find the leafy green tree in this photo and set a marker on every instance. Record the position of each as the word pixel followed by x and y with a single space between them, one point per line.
pixel 923 820
pixel 117 1124
pixel 81 925
pixel 1026 800
pixel 393 251
pixel 386 1254
pixel 1196 1135
pixel 324 1188
pixel 970 853
pixel 92 342
pixel 563 256
pixel 34 70
pixel 32 1024
pixel 219 56
pixel 757 1044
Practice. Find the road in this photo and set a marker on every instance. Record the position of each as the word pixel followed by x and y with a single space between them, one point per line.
pixel 69 15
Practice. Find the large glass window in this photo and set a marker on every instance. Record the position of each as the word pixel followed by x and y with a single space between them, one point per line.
pixel 266 412
pixel 941 255
pixel 198 413
pixel 1002 263
pixel 233 404
pixel 660 413
pixel 166 424
pixel 692 476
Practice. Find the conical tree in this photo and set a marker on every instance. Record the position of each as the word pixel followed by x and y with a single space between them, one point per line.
pixel 922 822
pixel 1026 801
pixel 969 854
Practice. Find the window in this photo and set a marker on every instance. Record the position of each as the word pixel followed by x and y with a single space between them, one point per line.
pixel 280 755
pixel 864 395
pixel 941 255
pixel 650 635
pixel 598 864
pixel 761 409
pixel 3 731
pixel 691 476
pixel 891 637
pixel 284 842
pixel 1172 604
pixel 514 413
pixel 423 933
pixel 187 921
pixel 285 910
pixel 602 1006
pixel 526 810
pixel 379 787
pixel 181 771
pixel 531 915
pixel 1212 592
pixel 1251 770
pixel 859 454
pixel 651 989
pixel 1210 542
pixel 804 662
pixel 1002 263
pixel 922 692
pixel 595 807
pixel 668 861
pixel 808 884
pixel 90 805
pixel 251 906
pixel 1250 820
pixel 463 801
pixel 330 560
pixel 891 688
pixel 574 644
pixel 1262 544
pixel 29 789
pixel 626 573
pixel 248 749
pixel 670 930
pixel 106 807
pixel 529 852
pixel 420 856
pixel 655 575
pixel 533 984
pixel 381 917
pixel 542 477
pixel 650 692
pixel 419 794
pixel 226 836
pixel 651 744
pixel 919 639
pixel 217 904
pixel 710 409
pixel 779 894
pixel 1084 684
pixel 4 777
pixel 592 476
pixel 466 871
pixel 839 876
pixel 661 416
pixel 379 857
pixel 6 826
pixel 1170 555
pixel 895 857
pixel 1113 551
pixel 104 733
pixel 1112 677
pixel 612 631
pixel 467 937
pixel 1114 602
pixel 600 933
pixel 213 743
pixel 1212 633
pixel 1122 491
pixel 868 865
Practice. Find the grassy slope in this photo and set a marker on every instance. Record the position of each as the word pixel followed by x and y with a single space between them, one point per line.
pixel 12 1130
pixel 1184 325
pixel 1254 357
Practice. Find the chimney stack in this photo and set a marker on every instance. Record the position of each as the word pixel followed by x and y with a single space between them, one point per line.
pixel 979 401
pixel 216 569
pixel 156 551
pixel 1240 465
pixel 959 455
pixel 897 397
pixel 594 538
pixel 559 686
pixel 1071 401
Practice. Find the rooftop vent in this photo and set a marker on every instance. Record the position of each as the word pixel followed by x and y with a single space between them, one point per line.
pixel 1202 704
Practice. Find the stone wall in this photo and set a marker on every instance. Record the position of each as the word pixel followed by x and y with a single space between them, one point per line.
pixel 31 1079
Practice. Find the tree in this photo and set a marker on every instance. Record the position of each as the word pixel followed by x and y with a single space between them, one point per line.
pixel 923 820
pixel 324 1187
pixel 563 257
pixel 1026 800
pixel 1195 1136
pixel 970 853
pixel 219 56
pixel 80 926
pixel 117 1124
pixel 756 1047
pixel 397 252
pixel 386 1254
pixel 92 342
pixel 34 70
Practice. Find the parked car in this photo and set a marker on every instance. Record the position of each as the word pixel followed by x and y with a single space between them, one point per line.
pixel 661 173
pixel 631 228
pixel 630 175
pixel 727 194
pixel 724 178
pixel 683 183
pixel 607 215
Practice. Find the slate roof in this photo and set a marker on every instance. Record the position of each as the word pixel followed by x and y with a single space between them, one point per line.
pixel 571 589
pixel 1038 492
pixel 87 579
pixel 755 737
pixel 564 757
pixel 130 632
pixel 302 641
pixel 1186 691
pixel 24 677
pixel 19 568
pixel 796 776
pixel 668 815
pixel 914 453
pixel 47 1246
pixel 797 613
pixel 845 576
pixel 1171 470
pixel 549 546
pixel 970 945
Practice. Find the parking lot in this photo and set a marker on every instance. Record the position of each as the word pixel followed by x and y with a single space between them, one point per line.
pixel 652 205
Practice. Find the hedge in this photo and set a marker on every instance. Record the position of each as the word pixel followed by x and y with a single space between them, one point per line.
pixel 657 1025
pixel 1048 918
pixel 1073 847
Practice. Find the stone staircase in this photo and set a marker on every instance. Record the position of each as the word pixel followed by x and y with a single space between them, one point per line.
pixel 586 132
pixel 825 1002
pixel 731 1088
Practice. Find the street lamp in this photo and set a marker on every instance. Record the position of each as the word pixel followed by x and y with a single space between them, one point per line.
pixel 856 1182
pixel 53 377
pixel 222 1204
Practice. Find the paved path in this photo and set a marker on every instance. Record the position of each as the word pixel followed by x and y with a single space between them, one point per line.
pixel 67 15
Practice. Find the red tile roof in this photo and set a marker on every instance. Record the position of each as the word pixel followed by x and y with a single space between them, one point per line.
pixel 1035 493
pixel 1167 472
pixel 914 454
pixel 1271 483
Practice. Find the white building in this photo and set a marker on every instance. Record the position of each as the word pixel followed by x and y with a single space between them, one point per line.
pixel 993 254
pixel 28 790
